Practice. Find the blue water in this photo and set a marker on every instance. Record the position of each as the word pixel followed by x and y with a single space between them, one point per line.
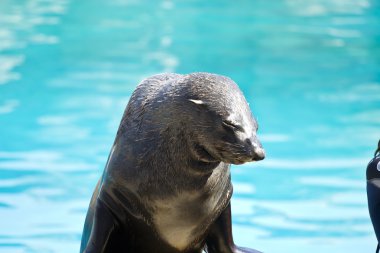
pixel 310 70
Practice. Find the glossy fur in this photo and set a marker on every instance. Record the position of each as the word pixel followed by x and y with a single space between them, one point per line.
pixel 166 187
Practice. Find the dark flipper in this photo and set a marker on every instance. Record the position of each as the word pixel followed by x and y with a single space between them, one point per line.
pixel 219 239
pixel 102 228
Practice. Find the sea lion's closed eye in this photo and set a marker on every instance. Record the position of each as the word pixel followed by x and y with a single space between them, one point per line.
pixel 232 125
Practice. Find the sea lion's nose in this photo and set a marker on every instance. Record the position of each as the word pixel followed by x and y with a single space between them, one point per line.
pixel 259 154
pixel 257 151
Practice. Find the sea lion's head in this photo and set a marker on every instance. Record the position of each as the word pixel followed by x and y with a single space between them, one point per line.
pixel 222 125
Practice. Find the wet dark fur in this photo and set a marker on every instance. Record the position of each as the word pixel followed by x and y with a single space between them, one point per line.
pixel 166 187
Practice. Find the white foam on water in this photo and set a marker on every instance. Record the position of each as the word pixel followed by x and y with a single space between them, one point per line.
pixel 44 39
pixel 312 163
pixel 9 106
pixel 7 64
pixel 244 188
pixel 332 182
pixel 362 92
pixel 41 160
pixel 279 222
pixel 316 209
pixel 274 137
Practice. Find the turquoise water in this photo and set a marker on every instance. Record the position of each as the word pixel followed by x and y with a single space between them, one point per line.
pixel 310 70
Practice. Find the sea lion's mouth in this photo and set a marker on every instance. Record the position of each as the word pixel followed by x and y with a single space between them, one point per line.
pixel 236 157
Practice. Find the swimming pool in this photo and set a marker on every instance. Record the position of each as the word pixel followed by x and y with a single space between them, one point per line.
pixel 310 70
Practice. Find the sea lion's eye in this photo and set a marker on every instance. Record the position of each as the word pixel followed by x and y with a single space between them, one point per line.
pixel 232 125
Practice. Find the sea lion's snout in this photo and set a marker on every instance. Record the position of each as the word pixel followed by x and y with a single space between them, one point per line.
pixel 259 154
pixel 256 149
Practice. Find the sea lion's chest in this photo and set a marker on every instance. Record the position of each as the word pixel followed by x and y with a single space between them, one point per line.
pixel 183 219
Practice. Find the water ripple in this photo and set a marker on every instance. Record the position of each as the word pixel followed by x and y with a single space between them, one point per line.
pixel 309 68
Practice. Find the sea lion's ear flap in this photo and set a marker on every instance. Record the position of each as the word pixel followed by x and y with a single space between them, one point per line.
pixel 196 101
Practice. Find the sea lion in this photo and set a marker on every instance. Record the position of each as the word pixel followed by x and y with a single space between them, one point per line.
pixel 373 192
pixel 166 187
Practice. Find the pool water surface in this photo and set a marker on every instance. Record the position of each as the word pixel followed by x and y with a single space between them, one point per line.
pixel 309 69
